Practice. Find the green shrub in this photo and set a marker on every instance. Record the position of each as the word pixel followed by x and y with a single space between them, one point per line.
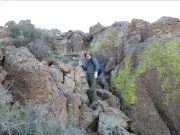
pixel 12 119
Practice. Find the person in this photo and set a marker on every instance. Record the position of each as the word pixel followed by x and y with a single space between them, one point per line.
pixel 91 67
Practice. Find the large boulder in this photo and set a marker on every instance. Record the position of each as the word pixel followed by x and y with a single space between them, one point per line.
pixel 108 43
pixel 112 124
pixel 33 84
pixel 31 77
pixel 149 87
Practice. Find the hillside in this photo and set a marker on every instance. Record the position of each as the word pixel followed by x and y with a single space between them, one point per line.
pixel 44 90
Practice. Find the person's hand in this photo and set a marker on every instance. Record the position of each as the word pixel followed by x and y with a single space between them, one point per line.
pixel 95 74
pixel 80 63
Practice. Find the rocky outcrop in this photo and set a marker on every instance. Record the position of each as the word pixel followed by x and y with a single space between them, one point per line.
pixel 56 92
pixel 166 25
pixel 93 30
pixel 32 83
pixel 137 32
pixel 141 62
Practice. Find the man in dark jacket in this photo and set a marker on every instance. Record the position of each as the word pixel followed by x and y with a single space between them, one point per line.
pixel 91 67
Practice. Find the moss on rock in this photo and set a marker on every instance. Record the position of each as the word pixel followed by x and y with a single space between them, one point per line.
pixel 124 84
pixel 163 56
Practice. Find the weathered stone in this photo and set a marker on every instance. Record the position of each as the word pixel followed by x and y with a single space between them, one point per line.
pixel 82 98
pixel 86 117
pixel 145 110
pixel 107 96
pixel 149 83
pixel 65 68
pixel 104 94
pixel 166 25
pixel 111 124
pixel 80 80
pixel 135 34
pixel 69 84
pixel 117 111
pixel 108 44
pixel 153 88
pixel 58 109
pixel 71 74
pixel 113 101
pixel 56 74
pixel 72 100
pixel 31 77
pixel 55 110
pixel 96 29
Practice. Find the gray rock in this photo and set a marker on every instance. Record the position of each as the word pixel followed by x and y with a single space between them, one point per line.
pixel 112 124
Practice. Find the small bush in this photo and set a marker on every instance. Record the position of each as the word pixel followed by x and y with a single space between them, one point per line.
pixel 40 49
pixel 12 119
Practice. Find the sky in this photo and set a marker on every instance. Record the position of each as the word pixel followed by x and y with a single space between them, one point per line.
pixel 80 15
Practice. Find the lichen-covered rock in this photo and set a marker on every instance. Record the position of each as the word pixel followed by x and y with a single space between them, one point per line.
pixel 109 44
pixel 152 85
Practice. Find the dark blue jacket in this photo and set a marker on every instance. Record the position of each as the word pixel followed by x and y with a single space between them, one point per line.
pixel 90 66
